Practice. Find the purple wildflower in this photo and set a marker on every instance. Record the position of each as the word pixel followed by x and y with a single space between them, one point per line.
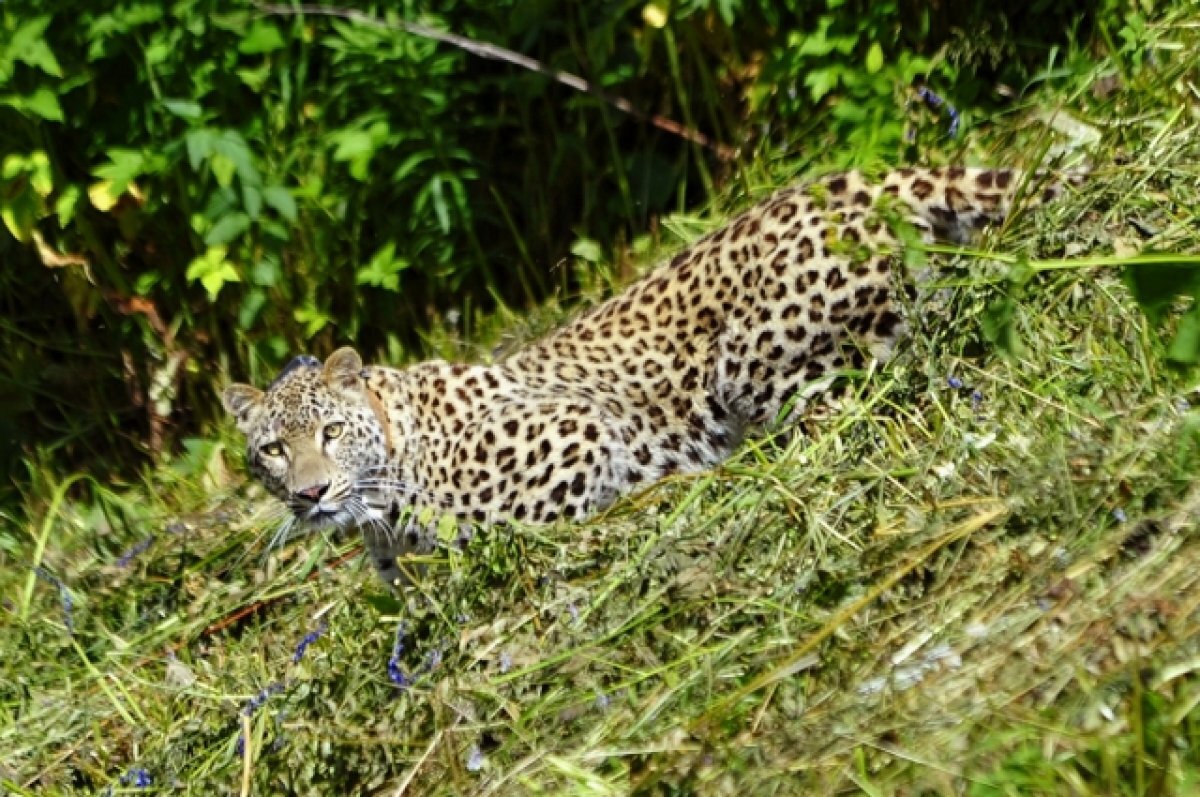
pixel 1119 515
pixel 505 661
pixel 395 672
pixel 134 552
pixel 976 397
pixel 933 100
pixel 601 701
pixel 433 659
pixel 309 638
pixel 930 97
pixel 475 759
pixel 64 595
pixel 256 702
pixel 137 777
pixel 954 382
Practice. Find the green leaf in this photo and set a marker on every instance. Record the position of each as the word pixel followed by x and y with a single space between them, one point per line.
pixel 266 272
pixel 20 213
pixel 314 320
pixel 227 229
pixel 66 204
pixel 281 200
pixel 42 104
pixel 1156 285
pixel 158 51
pixel 587 249
pixel 252 201
pixel 447 528
pixel 385 605
pixel 213 271
pixel 41 178
pixel 233 146
pixel 184 109
pixel 146 282
pixel 822 81
pixel 438 194
pixel 383 270
pixel 223 168
pixel 252 305
pixel 39 55
pixel 28 46
pixel 256 78
pixel 352 144
pixel 874 58
pixel 199 146
pixel 999 325
pixel 123 167
pixel 1185 347
pixel 263 37
pixel 410 165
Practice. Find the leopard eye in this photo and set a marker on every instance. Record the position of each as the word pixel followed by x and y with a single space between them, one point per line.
pixel 334 430
pixel 274 449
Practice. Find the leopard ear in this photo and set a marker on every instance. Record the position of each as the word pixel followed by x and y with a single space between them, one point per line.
pixel 243 402
pixel 343 369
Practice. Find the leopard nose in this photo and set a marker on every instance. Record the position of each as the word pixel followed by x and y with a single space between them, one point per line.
pixel 315 492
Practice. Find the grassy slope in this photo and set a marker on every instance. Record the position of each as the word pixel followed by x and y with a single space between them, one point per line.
pixel 985 589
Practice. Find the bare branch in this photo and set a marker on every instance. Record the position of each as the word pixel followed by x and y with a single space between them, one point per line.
pixel 497 53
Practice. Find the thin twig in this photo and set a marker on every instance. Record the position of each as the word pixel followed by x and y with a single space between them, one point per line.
pixel 498 53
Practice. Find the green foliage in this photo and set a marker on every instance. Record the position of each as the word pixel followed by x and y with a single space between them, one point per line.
pixel 1156 287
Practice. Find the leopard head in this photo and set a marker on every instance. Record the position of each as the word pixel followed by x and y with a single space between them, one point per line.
pixel 314 438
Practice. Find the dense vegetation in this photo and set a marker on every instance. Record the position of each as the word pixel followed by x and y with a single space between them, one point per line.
pixel 978 577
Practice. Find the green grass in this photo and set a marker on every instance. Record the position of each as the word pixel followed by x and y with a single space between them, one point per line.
pixel 989 589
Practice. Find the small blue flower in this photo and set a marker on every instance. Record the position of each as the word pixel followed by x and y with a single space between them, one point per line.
pixel 1119 515
pixel 601 701
pixel 930 97
pixel 505 662
pixel 309 638
pixel 976 397
pixel 433 659
pixel 137 777
pixel 933 100
pixel 127 558
pixel 64 596
pixel 256 702
pixel 475 759
pixel 395 672
pixel 954 382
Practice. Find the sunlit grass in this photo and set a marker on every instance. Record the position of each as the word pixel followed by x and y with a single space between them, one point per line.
pixel 980 575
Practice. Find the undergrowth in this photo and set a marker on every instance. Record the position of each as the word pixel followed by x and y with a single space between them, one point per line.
pixel 977 576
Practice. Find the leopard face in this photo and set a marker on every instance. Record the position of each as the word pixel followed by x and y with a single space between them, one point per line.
pixel 315 441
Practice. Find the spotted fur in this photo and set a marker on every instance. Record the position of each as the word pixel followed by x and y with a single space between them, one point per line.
pixel 666 377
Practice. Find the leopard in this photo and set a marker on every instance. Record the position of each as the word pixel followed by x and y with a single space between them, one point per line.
pixel 742 329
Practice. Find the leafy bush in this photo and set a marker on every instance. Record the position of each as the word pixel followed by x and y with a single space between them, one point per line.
pixel 196 187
